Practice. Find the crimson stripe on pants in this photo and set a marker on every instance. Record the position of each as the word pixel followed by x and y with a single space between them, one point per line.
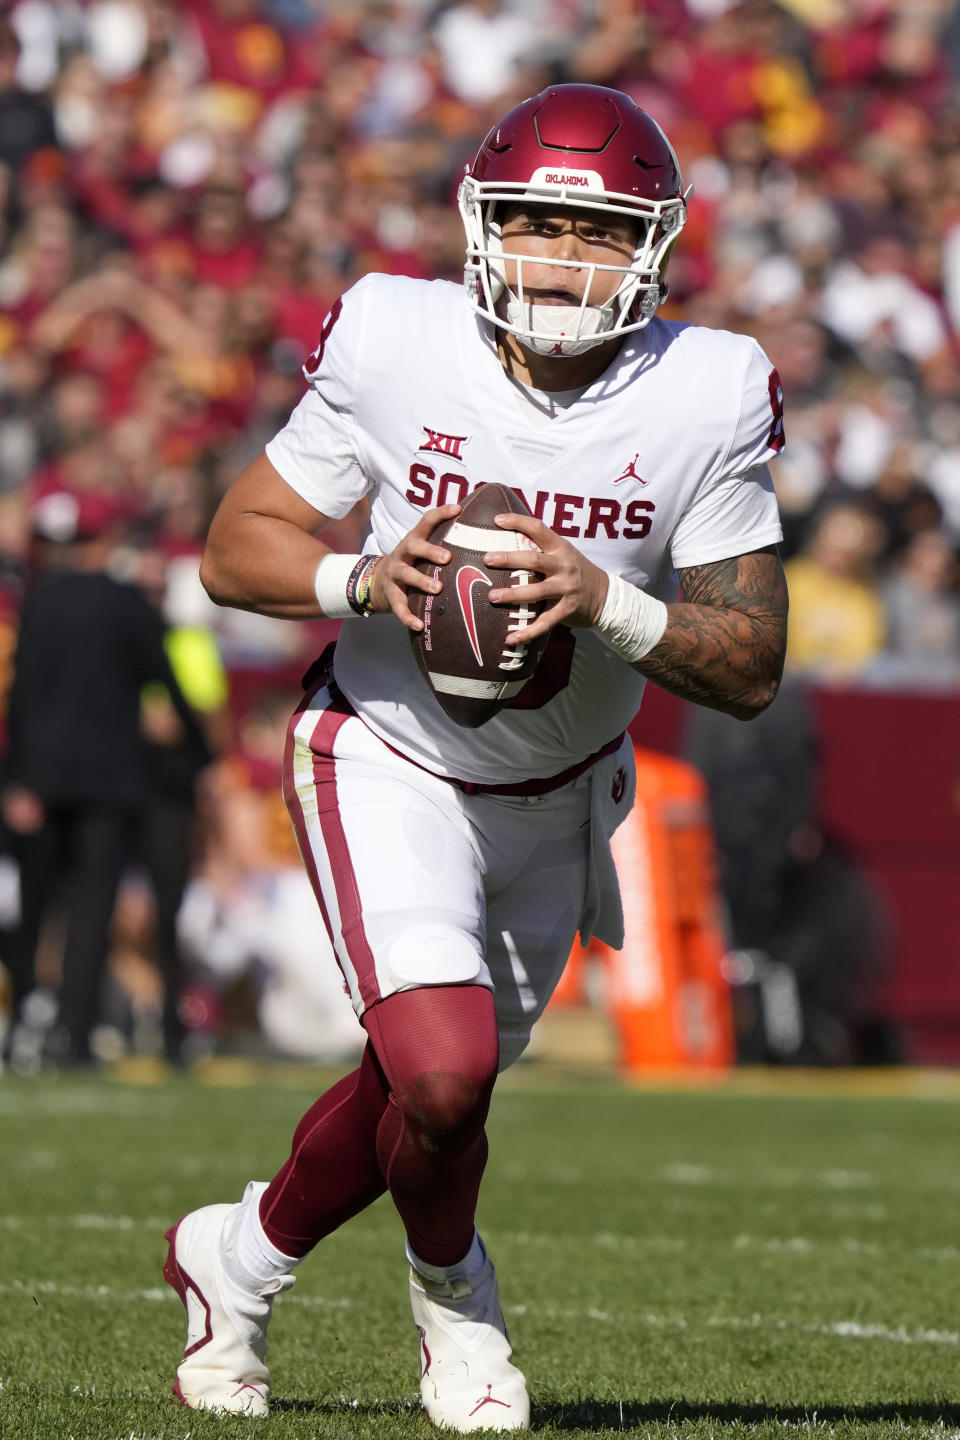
pixel 292 802
pixel 322 739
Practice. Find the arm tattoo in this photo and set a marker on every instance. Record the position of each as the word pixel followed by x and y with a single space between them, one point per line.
pixel 725 641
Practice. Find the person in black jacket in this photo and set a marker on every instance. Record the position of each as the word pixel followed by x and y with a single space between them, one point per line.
pixel 75 779
pixel 26 119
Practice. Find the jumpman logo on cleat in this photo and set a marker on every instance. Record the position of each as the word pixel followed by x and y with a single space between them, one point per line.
pixel 488 1399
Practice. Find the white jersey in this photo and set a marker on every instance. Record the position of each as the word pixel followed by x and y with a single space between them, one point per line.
pixel 658 465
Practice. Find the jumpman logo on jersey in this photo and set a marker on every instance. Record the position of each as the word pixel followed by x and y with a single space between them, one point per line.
pixel 489 1400
pixel 630 473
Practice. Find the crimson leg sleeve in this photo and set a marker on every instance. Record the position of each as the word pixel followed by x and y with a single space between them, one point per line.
pixel 332 1172
pixel 439 1050
pixel 411 1118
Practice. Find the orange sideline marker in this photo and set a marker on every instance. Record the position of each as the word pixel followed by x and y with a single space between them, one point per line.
pixel 665 991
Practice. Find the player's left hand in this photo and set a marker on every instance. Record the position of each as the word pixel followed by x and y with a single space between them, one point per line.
pixel 573 588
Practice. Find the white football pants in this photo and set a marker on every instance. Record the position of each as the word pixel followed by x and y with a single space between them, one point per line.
pixel 422 884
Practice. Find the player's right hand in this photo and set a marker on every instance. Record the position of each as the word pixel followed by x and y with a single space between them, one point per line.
pixel 396 573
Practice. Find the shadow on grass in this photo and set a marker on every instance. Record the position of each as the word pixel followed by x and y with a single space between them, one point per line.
pixel 613 1415
pixel 631 1414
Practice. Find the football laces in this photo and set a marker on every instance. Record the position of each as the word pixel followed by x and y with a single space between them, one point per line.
pixel 520 616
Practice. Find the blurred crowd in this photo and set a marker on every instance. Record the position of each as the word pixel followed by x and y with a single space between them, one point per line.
pixel 185 188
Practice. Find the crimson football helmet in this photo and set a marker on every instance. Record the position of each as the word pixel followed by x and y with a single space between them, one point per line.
pixel 591 148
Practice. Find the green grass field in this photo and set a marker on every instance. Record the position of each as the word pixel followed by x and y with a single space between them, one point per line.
pixel 696 1264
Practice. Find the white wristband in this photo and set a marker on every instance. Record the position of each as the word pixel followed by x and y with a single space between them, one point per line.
pixel 330 585
pixel 631 622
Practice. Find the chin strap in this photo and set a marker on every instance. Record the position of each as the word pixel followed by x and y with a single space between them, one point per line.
pixel 560 329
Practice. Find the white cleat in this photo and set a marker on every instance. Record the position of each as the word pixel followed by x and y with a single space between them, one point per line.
pixel 223 1360
pixel 467 1382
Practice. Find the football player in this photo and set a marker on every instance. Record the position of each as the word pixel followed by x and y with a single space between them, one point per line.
pixel 454 866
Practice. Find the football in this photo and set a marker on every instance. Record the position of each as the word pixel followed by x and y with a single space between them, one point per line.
pixel 461 649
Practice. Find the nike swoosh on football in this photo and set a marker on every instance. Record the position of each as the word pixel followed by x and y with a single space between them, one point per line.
pixel 467 577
